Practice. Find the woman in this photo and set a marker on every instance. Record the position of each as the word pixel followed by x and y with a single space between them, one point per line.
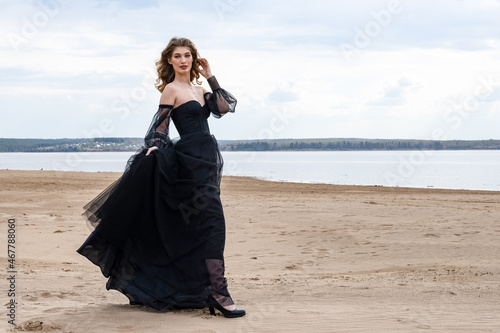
pixel 159 229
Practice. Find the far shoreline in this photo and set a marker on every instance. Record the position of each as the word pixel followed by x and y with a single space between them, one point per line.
pixel 116 144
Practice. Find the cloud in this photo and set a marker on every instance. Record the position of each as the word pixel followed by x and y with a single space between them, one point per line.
pixel 129 4
pixel 283 94
pixel 395 93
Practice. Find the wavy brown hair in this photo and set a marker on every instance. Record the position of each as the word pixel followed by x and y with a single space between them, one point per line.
pixel 165 70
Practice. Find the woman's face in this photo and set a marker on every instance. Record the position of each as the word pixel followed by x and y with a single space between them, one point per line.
pixel 181 60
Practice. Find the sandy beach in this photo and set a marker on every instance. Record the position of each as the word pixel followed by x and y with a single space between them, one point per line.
pixel 299 258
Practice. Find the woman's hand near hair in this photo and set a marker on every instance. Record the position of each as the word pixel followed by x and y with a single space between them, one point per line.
pixel 151 149
pixel 204 68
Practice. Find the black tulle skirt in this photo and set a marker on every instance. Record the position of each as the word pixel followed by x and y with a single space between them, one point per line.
pixel 158 223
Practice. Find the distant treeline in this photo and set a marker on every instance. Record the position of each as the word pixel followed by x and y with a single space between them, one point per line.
pixel 132 144
pixel 357 144
pixel 69 145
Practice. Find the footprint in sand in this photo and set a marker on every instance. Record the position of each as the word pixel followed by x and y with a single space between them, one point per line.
pixel 37 326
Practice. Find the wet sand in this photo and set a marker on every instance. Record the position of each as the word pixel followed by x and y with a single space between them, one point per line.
pixel 299 258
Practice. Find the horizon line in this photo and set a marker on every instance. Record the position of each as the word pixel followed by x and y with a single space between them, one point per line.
pixel 256 139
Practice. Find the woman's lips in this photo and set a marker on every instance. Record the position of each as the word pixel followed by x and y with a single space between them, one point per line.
pixel 184 67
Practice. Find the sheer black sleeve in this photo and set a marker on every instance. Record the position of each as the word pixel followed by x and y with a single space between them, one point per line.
pixel 157 134
pixel 219 101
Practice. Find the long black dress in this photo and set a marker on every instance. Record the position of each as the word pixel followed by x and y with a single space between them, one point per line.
pixel 157 225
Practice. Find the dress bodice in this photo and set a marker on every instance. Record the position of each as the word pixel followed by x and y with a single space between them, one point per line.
pixel 191 117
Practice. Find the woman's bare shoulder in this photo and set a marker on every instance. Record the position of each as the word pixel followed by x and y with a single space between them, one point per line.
pixel 201 90
pixel 168 95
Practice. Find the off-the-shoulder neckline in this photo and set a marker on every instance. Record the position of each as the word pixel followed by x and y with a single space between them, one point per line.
pixel 178 106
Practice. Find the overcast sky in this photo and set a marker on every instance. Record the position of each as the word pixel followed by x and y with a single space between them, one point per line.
pixel 299 69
